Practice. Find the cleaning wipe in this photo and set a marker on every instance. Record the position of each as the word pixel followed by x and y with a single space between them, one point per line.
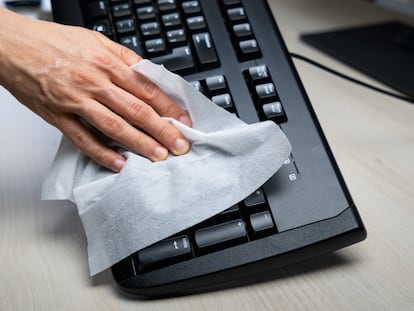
pixel 150 201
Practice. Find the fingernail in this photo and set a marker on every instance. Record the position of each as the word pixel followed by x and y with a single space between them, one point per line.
pixel 119 164
pixel 181 146
pixel 186 120
pixel 160 153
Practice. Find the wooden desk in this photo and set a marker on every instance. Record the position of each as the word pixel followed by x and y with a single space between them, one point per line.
pixel 43 260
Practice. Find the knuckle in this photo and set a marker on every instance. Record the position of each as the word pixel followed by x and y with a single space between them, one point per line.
pixel 104 59
pixel 172 111
pixel 139 111
pixel 167 132
pixel 150 91
pixel 82 77
pixel 78 139
pixel 111 124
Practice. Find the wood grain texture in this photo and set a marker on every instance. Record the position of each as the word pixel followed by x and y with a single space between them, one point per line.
pixel 43 260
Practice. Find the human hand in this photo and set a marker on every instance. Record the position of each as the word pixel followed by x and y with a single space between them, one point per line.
pixel 68 74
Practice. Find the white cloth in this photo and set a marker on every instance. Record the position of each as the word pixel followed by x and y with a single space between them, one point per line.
pixel 149 201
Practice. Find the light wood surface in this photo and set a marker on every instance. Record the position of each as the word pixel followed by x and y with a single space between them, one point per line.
pixel 43 260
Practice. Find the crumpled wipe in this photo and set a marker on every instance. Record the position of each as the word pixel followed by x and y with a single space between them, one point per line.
pixel 150 201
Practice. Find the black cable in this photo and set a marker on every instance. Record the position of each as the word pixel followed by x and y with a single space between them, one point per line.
pixel 332 71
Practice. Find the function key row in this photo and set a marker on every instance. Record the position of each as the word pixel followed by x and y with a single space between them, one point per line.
pixel 264 94
pixel 240 29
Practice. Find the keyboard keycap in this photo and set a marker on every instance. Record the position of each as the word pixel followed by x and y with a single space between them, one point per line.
pixel 181 59
pixel 102 26
pixel 132 43
pixel 166 250
pixel 230 2
pixel 216 83
pixel 222 100
pixel 150 29
pixel 258 73
pixel 261 224
pixel 196 23
pixel 266 90
pixel 124 26
pixel 254 200
pixel 191 7
pixel 120 10
pixel 228 233
pixel 171 20
pixel 206 52
pixel 146 12
pixel 242 30
pixel 166 5
pixel 176 36
pixel 236 14
pixel 248 49
pixel 274 111
pixel 155 45
pixel 140 2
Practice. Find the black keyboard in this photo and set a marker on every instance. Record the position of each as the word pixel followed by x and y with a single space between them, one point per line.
pixel 231 51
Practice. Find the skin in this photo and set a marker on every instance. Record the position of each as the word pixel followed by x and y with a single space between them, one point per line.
pixel 70 75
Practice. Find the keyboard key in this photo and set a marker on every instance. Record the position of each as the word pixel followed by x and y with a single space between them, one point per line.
pixel 230 2
pixel 155 45
pixel 166 5
pixel 102 26
pixel 242 30
pixel 223 100
pixel 140 2
pixel 228 233
pixel 146 12
pixel 249 48
pixel 236 14
pixel 171 20
pixel 261 224
pixel 191 7
pixel 256 199
pixel 176 36
pixel 121 10
pixel 126 25
pixel 206 52
pixel 196 23
pixel 132 43
pixel 181 59
pixel 166 250
pixel 197 85
pixel 266 90
pixel 216 83
pixel 258 73
pixel 274 111
pixel 150 29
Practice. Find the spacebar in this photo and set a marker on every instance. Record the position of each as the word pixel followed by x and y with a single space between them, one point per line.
pixel 180 59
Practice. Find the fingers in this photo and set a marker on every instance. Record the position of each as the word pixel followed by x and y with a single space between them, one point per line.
pixel 87 142
pixel 141 87
pixel 158 132
pixel 128 56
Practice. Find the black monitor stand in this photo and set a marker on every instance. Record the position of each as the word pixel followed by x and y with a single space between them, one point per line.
pixel 383 51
